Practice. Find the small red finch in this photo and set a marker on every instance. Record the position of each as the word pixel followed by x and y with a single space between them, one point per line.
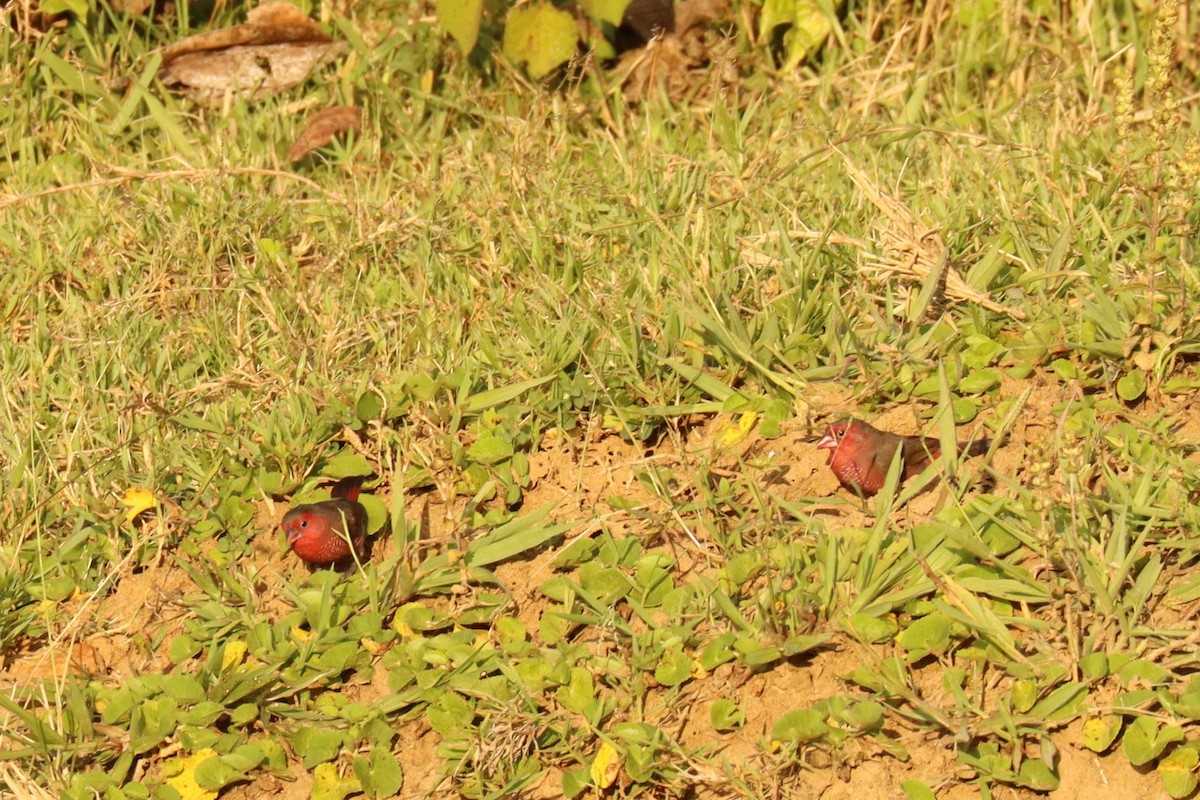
pixel 323 533
pixel 860 454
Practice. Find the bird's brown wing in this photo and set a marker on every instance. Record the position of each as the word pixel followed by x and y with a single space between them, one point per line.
pixel 883 450
pixel 918 452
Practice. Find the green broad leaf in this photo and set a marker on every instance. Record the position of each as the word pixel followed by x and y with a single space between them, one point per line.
pixel 317 745
pixel 450 715
pixel 347 464
pixel 116 704
pixel 606 584
pixel 1178 771
pixel 380 774
pixel 216 773
pixel 461 19
pixel 377 512
pixel 1094 666
pixel 778 412
pixel 726 716
pixel 243 714
pixel 517 536
pixel 801 725
pixel 554 627
pixel 964 410
pixel 718 651
pixel 511 635
pixel 917 790
pixel 1035 774
pixel 369 406
pixel 1131 386
pixel 1141 671
pixel 202 714
pixel 576 781
pixel 928 635
pixel 491 449
pixel 1100 732
pixel 160 717
pixel 757 655
pixel 675 667
pixel 580 694
pixel 873 630
pixel 980 381
pixel 1146 740
pixel 865 716
pixel 579 551
pixel 1024 694
pixel 981 351
pixel 610 11
pixel 795 645
pixel 182 648
pixel 420 618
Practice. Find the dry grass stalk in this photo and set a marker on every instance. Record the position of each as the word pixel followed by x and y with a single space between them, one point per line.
pixel 910 249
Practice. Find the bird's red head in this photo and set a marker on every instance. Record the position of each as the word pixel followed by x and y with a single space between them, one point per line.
pixel 834 435
pixel 297 523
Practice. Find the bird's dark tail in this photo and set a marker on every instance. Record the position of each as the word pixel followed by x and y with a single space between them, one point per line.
pixel 347 488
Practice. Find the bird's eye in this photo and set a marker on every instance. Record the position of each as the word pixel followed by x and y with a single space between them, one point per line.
pixel 303 523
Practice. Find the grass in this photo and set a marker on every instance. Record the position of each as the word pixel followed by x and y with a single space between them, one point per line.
pixel 579 342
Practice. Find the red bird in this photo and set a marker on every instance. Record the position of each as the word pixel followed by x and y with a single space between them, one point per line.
pixel 323 533
pixel 860 454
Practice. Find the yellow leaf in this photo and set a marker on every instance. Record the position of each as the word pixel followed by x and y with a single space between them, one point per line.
pixel 698 670
pixel 137 501
pixel 612 423
pixel 371 646
pixel 184 781
pixel 235 651
pixel 427 81
pixel 326 782
pixel 401 627
pixel 733 434
pixel 302 636
pixel 605 766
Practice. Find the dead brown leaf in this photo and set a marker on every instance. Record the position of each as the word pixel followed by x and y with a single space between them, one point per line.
pixel 323 127
pixel 273 51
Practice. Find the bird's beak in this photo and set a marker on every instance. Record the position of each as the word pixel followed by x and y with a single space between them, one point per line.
pixel 293 534
pixel 827 442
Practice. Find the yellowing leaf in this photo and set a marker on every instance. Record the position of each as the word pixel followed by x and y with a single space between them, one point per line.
pixel 184 781
pixel 235 651
pixel 606 766
pixel 327 785
pixel 461 18
pixel 371 646
pixel 401 627
pixel 137 501
pixel 540 36
pixel 302 636
pixel 734 434
pixel 698 670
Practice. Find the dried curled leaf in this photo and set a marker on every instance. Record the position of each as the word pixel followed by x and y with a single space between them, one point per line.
pixel 274 50
pixel 323 127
